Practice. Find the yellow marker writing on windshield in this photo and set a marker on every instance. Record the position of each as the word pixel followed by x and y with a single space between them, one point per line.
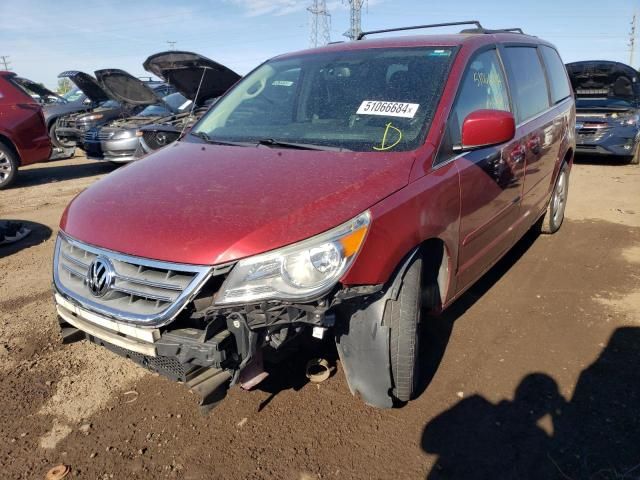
pixel 383 145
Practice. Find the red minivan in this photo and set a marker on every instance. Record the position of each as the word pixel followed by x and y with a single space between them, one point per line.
pixel 24 138
pixel 345 190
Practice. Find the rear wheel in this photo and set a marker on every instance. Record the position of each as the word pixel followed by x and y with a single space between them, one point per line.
pixel 554 215
pixel 8 166
pixel 404 323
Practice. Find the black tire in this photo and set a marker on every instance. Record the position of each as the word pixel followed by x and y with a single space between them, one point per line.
pixel 8 166
pixel 54 138
pixel 554 216
pixel 404 323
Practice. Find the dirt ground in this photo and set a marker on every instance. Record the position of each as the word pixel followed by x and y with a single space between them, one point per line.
pixel 532 374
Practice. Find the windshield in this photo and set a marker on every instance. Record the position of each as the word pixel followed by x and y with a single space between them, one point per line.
pixel 173 104
pixel 372 100
pixel 586 103
pixel 73 95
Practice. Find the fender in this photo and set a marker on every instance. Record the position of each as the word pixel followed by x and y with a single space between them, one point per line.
pixel 362 341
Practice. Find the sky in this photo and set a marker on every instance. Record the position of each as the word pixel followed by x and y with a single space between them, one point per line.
pixel 43 38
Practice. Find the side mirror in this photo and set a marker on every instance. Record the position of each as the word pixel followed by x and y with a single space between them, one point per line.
pixel 484 128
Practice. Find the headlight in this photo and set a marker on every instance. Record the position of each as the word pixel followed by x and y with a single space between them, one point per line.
pixel 122 134
pixel 302 270
pixel 626 119
pixel 632 120
pixel 92 117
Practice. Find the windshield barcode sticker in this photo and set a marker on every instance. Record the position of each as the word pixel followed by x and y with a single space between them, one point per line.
pixel 388 109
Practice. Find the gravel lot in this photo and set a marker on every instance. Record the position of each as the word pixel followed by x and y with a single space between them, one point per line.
pixel 532 374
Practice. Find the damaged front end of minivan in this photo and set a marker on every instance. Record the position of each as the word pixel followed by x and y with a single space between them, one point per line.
pixel 210 327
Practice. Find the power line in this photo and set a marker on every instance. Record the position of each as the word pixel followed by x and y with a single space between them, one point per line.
pixel 320 23
pixel 5 61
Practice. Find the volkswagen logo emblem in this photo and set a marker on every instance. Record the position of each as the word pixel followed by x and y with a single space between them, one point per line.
pixel 100 277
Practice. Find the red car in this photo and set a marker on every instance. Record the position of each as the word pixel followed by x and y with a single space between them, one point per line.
pixel 346 189
pixel 24 138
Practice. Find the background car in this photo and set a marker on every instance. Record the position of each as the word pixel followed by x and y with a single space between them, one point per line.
pixel 24 136
pixel 71 129
pixel 117 141
pixel 198 78
pixel 607 108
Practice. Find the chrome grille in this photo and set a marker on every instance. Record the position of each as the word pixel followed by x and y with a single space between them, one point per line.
pixel 143 291
pixel 94 134
pixel 155 140
pixel 91 135
pixel 105 134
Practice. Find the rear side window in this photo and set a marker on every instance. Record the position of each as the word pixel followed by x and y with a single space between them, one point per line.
pixel 527 81
pixel 558 79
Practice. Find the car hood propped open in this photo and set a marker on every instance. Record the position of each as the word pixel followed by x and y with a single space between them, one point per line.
pixel 89 85
pixel 126 88
pixel 599 78
pixel 185 70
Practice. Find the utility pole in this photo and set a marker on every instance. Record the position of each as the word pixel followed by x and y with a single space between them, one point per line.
pixel 172 44
pixel 320 23
pixel 632 39
pixel 355 17
pixel 4 59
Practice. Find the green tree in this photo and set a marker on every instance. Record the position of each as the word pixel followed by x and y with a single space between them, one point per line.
pixel 64 85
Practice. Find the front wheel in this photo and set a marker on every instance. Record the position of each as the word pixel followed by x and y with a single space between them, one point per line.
pixel 403 318
pixel 55 140
pixel 554 215
pixel 8 166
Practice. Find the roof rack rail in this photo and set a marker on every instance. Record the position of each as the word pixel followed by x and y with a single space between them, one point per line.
pixel 496 30
pixel 417 27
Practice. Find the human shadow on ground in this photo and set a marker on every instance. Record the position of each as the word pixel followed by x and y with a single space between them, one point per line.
pixel 595 435
pixel 39 233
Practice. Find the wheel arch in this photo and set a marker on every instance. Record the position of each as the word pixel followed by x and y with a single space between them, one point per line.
pixel 5 140
pixel 438 270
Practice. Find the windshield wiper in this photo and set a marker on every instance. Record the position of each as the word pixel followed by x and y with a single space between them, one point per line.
pixel 205 136
pixel 271 142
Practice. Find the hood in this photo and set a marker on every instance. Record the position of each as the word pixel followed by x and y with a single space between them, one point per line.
pixel 185 70
pixel 211 204
pixel 89 85
pixel 126 88
pixel 604 79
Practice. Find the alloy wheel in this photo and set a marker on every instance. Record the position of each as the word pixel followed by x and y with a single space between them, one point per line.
pixel 560 198
pixel 6 167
